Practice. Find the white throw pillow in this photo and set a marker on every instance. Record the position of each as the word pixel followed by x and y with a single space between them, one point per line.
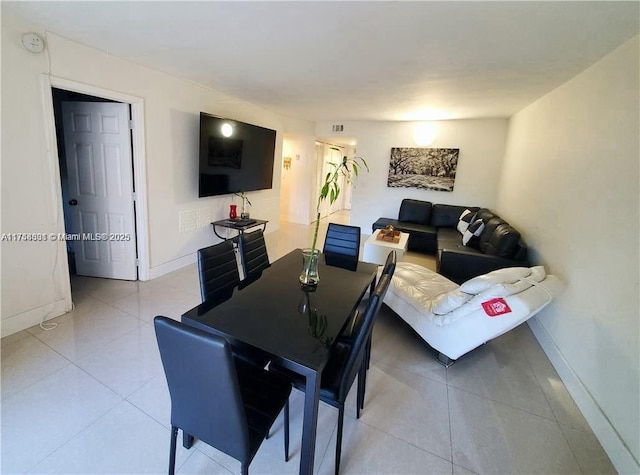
pixel 474 230
pixel 538 273
pixel 504 290
pixel 507 275
pixel 465 219
pixel 448 301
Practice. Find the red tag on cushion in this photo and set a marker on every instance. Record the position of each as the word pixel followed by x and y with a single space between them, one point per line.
pixel 496 307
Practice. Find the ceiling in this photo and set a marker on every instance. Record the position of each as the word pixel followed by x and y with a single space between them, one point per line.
pixel 355 60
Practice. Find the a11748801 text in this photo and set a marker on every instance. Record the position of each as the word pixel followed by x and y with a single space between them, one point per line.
pixel 43 237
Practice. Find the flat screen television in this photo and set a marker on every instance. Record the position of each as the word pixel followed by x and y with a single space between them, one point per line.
pixel 234 156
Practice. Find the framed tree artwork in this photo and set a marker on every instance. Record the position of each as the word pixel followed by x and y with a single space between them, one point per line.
pixel 425 168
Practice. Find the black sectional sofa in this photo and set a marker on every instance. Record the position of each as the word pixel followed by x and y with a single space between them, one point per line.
pixel 432 229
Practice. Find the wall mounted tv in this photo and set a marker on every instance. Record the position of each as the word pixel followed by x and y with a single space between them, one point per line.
pixel 234 156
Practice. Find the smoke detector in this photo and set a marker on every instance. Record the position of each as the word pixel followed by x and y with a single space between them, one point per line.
pixel 33 42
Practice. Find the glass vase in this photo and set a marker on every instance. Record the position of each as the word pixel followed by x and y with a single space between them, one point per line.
pixel 309 276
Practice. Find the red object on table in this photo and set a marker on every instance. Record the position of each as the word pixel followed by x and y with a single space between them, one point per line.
pixel 233 212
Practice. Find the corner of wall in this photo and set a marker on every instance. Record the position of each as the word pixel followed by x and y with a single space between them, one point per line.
pixel 608 437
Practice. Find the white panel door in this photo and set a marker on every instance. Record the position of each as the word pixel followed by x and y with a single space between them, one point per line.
pixel 334 155
pixel 323 170
pixel 98 156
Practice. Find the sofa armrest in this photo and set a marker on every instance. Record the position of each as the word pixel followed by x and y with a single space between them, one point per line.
pixel 382 223
pixel 460 265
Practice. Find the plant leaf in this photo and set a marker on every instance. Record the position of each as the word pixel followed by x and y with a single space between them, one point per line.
pixel 324 191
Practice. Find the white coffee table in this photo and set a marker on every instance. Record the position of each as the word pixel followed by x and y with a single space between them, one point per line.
pixel 376 251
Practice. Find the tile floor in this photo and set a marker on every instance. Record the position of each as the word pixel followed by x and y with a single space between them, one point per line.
pixel 89 397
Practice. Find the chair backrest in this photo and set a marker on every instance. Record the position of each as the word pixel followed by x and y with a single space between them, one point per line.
pixel 253 255
pixel 390 264
pixel 388 269
pixel 218 271
pixel 342 246
pixel 362 335
pixel 205 396
pixel 415 211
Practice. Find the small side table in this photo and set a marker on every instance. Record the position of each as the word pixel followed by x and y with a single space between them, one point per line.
pixel 238 225
pixel 376 251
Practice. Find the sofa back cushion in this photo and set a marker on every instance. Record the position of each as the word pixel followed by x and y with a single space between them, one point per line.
pixel 490 226
pixel 499 238
pixel 485 215
pixel 505 241
pixel 447 216
pixel 415 211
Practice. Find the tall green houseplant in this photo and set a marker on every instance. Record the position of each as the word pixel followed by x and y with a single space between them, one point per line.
pixel 349 169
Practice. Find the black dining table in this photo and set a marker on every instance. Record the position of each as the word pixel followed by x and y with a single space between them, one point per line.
pixel 296 326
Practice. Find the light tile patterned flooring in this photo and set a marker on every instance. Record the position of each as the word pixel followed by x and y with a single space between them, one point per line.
pixel 90 397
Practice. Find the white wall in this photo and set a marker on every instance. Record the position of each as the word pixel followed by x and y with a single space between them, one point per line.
pixel 32 283
pixel 481 144
pixel 34 275
pixel 571 183
pixel 296 193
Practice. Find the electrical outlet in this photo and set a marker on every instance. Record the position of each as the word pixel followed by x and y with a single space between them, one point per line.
pixel 203 217
pixel 188 221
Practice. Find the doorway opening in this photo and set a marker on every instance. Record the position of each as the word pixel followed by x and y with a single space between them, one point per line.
pixel 328 151
pixel 95 155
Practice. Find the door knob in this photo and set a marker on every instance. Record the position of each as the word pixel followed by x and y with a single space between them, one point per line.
pixel 73 202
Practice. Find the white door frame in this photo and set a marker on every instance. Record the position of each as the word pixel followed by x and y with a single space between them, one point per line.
pixel 139 161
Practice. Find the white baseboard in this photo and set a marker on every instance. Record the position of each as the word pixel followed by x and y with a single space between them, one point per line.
pixel 34 316
pixel 170 266
pixel 613 445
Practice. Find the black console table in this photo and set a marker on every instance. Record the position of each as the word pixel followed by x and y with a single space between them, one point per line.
pixel 240 225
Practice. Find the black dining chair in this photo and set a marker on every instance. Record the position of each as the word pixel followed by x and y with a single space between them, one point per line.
pixel 253 255
pixel 390 264
pixel 348 335
pixel 346 362
pixel 388 269
pixel 218 272
pixel 342 246
pixel 219 276
pixel 226 403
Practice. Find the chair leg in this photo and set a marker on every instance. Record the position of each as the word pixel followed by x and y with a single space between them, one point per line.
pixel 444 360
pixel 187 440
pixel 368 352
pixel 359 395
pixel 244 469
pixel 172 450
pixel 339 437
pixel 286 431
pixel 362 386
